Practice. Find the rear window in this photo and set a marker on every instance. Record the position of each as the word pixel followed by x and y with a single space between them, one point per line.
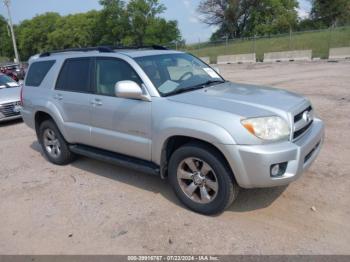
pixel 75 76
pixel 37 72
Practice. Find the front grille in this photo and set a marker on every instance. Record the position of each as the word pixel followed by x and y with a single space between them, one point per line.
pixel 299 116
pixel 8 109
pixel 302 131
pixel 301 123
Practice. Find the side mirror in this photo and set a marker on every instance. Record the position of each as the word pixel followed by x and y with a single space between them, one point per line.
pixel 131 90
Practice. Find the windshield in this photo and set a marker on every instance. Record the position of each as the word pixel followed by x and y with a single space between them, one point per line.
pixel 175 73
pixel 6 81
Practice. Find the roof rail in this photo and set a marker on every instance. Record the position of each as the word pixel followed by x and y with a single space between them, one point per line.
pixel 155 47
pixel 102 49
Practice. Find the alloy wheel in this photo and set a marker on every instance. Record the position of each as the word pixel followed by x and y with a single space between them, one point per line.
pixel 51 143
pixel 197 180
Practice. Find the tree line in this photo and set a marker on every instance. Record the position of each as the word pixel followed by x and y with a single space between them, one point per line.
pixel 248 18
pixel 135 22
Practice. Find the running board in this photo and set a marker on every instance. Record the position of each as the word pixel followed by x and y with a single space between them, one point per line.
pixel 117 159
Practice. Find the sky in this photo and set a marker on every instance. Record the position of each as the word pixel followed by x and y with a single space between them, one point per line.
pixel 184 11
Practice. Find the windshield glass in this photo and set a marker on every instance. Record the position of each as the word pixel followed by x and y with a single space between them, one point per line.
pixel 6 81
pixel 175 73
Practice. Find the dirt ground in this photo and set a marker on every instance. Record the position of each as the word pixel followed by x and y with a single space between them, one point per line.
pixel 91 207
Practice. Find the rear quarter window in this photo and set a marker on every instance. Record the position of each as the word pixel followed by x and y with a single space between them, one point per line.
pixel 37 72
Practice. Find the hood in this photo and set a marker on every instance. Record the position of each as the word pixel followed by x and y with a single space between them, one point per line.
pixel 8 95
pixel 242 99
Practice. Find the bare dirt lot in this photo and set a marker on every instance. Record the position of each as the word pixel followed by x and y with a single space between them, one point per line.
pixel 91 207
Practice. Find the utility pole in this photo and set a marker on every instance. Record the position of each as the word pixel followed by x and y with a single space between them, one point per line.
pixel 7 4
pixel 254 44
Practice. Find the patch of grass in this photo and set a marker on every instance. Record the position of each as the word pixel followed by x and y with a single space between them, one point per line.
pixel 318 41
pixel 3 59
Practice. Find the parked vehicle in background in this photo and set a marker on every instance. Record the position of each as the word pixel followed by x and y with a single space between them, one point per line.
pixel 170 114
pixel 15 71
pixel 9 99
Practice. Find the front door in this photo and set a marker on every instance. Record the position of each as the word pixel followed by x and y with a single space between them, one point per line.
pixel 119 124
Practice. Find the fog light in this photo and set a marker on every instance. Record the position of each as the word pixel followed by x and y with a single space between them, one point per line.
pixel 275 170
pixel 278 170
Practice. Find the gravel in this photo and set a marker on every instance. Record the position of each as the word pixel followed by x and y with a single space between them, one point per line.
pixel 104 209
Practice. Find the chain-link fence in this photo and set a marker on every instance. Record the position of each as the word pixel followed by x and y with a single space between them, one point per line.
pixel 319 41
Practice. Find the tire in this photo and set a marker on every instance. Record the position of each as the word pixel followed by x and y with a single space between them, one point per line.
pixel 51 137
pixel 218 185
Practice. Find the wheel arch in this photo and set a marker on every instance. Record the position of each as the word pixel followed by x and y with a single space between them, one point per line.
pixel 42 115
pixel 174 142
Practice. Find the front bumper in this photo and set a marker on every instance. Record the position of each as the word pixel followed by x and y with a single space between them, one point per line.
pixel 10 118
pixel 8 114
pixel 252 164
pixel 10 110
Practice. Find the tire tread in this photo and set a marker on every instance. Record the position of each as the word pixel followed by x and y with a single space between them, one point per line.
pixel 204 150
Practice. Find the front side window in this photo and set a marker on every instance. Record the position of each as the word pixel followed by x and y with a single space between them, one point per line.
pixel 110 71
pixel 75 75
pixel 37 72
pixel 176 73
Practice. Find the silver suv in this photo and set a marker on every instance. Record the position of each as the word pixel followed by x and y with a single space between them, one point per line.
pixel 169 114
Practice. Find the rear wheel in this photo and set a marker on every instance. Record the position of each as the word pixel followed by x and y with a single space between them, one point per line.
pixel 55 148
pixel 201 180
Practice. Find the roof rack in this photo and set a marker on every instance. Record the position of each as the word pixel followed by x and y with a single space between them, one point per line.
pixel 103 49
pixel 154 47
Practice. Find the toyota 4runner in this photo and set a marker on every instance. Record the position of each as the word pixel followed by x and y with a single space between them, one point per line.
pixel 168 113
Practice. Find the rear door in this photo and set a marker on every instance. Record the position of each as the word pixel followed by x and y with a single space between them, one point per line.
pixel 119 124
pixel 72 97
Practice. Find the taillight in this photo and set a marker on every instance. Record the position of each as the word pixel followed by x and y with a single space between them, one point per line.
pixel 21 95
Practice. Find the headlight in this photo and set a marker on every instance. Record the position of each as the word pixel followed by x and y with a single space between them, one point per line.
pixel 267 128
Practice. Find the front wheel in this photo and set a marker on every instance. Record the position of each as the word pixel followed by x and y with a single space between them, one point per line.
pixel 201 180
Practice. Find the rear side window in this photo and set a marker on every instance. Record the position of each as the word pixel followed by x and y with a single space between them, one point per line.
pixel 37 72
pixel 75 75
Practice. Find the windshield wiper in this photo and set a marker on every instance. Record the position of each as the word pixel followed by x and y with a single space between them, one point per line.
pixel 209 82
pixel 196 87
pixel 184 89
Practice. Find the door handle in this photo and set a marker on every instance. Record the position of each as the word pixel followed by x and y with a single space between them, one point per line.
pixel 58 97
pixel 96 102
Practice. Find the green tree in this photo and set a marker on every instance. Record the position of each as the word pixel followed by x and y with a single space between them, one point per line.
pixel 331 13
pixel 273 17
pixel 142 17
pixel 238 18
pixel 74 31
pixel 112 25
pixel 161 32
pixel 33 34
pixel 6 49
pixel 135 23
